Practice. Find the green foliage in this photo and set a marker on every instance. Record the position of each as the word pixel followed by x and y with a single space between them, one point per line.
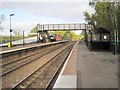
pixel 34 30
pixel 57 32
pixel 81 37
pixel 6 39
pixel 68 35
pixel 103 15
pixel 87 16
pixel 107 15
pixel 91 19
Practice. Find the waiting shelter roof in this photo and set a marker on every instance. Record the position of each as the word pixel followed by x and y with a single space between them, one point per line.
pixel 101 30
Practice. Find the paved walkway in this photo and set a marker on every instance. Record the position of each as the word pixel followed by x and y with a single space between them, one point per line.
pixel 96 69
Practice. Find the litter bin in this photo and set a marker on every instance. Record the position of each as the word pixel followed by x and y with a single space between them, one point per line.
pixel 9 45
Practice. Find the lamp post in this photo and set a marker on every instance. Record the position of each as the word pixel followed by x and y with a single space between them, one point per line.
pixel 11 30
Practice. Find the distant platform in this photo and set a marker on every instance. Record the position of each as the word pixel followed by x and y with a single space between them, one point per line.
pixel 16 48
pixel 26 40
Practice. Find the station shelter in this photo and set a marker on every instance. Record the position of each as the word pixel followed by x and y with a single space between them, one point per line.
pixel 99 39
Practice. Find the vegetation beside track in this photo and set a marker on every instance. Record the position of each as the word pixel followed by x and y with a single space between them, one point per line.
pixel 5 39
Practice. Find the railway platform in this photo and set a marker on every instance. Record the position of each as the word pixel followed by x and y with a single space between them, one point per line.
pixel 16 47
pixel 29 46
pixel 88 69
pixel 22 46
pixel 4 49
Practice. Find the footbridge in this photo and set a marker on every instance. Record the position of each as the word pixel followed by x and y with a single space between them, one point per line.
pixel 63 27
pixel 44 28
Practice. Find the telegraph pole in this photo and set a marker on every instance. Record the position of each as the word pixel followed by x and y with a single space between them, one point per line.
pixel 23 38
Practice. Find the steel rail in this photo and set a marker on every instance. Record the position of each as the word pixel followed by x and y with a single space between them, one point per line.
pixel 15 86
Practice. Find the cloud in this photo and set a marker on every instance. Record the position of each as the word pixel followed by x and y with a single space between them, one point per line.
pixel 46 12
pixel 17 26
pixel 45 1
pixel 65 10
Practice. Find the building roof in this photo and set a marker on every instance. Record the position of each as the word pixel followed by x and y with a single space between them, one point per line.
pixel 101 30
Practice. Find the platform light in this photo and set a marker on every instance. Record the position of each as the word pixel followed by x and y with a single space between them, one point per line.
pixel 11 30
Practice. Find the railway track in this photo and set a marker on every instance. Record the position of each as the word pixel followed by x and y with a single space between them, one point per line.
pixel 12 78
pixel 19 52
pixel 15 55
pixel 43 75
pixel 10 66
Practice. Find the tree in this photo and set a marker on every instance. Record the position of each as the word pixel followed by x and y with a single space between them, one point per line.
pixel 2 18
pixel 68 35
pixel 91 19
pixel 34 30
pixel 57 32
pixel 107 15
pixel 16 33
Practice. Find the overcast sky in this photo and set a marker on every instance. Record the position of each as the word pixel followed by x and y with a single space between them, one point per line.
pixel 28 14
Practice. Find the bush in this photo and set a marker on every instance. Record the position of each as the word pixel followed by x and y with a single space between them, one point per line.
pixel 6 39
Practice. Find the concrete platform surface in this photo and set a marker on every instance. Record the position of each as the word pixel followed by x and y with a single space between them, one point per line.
pixel 89 69
pixel 96 69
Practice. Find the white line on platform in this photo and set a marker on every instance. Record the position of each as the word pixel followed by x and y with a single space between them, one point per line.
pixel 60 75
